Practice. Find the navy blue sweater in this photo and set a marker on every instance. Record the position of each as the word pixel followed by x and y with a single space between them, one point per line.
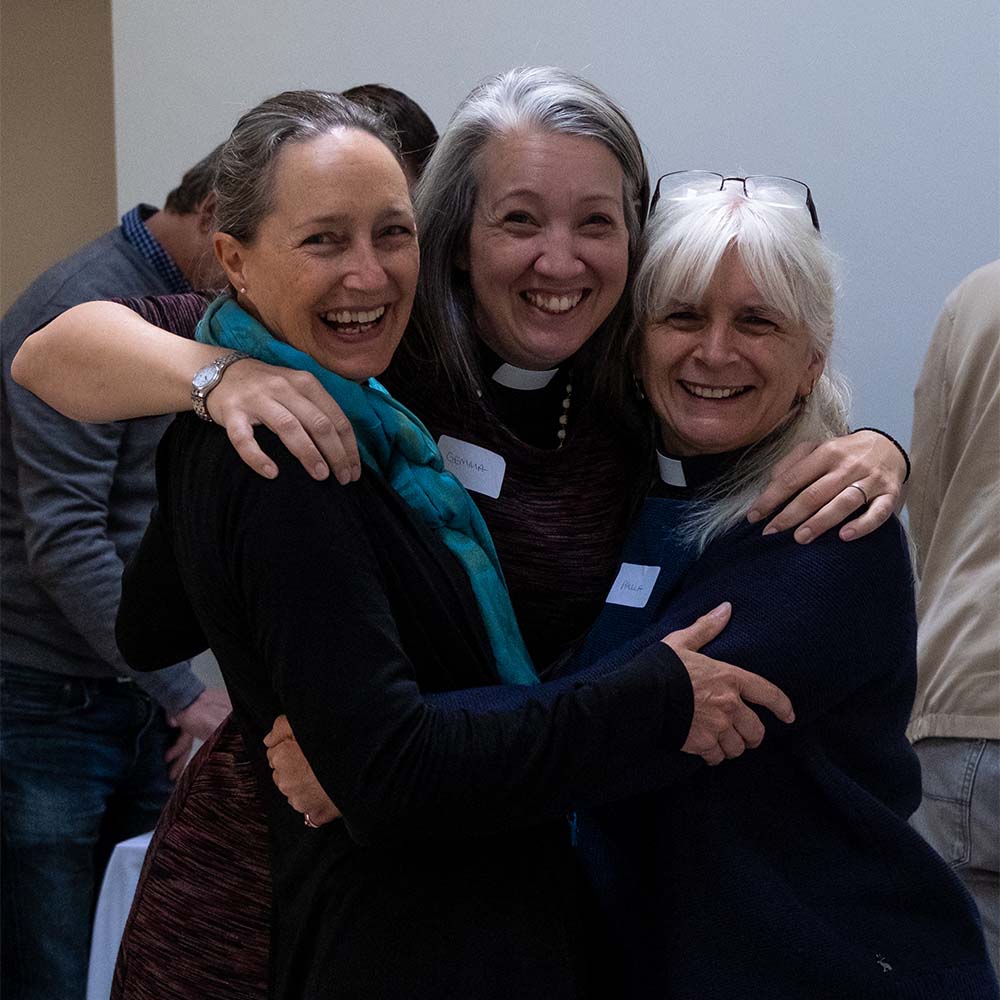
pixel 791 872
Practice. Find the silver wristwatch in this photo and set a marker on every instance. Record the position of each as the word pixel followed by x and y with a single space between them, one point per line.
pixel 207 378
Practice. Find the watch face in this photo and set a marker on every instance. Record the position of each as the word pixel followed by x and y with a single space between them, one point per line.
pixel 204 377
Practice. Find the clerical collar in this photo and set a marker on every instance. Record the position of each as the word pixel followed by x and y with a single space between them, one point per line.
pixel 532 405
pixel 671 470
pixel 523 378
pixel 682 476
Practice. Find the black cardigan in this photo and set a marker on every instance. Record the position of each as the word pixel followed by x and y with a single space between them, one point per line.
pixel 335 606
pixel 792 872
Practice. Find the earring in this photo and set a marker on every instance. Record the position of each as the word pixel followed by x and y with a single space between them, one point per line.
pixel 640 393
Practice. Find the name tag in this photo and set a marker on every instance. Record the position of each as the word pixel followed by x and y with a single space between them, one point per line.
pixel 479 470
pixel 633 585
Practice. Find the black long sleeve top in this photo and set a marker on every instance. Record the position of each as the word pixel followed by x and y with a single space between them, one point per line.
pixel 335 606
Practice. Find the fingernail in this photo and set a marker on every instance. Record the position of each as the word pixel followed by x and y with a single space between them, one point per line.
pixel 320 471
pixel 770 530
pixel 753 515
pixel 847 534
pixel 723 609
pixel 355 472
pixel 803 536
pixel 270 471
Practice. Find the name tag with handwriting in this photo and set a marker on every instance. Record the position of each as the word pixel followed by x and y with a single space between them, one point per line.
pixel 479 470
pixel 633 585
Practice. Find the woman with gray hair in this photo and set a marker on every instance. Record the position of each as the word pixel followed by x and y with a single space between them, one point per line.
pixel 791 872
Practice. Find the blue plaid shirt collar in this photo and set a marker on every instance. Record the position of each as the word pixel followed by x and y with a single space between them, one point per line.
pixel 135 231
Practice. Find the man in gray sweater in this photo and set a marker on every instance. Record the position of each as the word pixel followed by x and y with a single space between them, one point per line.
pixel 88 748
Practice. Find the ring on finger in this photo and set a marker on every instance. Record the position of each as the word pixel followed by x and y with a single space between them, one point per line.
pixel 310 823
pixel 860 489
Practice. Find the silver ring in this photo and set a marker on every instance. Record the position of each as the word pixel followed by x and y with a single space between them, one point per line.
pixel 310 823
pixel 860 489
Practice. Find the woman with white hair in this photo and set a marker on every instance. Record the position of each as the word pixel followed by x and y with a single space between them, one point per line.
pixel 791 872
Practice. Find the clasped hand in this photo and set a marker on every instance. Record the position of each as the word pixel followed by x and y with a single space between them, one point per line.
pixel 723 725
pixel 294 777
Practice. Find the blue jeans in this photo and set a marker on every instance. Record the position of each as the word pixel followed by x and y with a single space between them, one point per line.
pixel 960 818
pixel 81 768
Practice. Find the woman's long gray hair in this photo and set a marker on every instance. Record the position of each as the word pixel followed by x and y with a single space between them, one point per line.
pixel 547 99
pixel 794 272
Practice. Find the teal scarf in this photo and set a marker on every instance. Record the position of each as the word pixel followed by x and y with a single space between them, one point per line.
pixel 396 444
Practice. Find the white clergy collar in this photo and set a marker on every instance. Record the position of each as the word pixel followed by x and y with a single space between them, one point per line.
pixel 671 470
pixel 523 378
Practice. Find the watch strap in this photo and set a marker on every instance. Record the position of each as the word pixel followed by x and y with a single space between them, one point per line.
pixel 207 378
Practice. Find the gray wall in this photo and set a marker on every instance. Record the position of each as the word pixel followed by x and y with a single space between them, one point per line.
pixel 889 110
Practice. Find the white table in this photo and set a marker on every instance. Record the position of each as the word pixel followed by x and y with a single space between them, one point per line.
pixel 113 905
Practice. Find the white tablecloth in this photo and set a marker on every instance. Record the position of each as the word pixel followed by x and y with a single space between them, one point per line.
pixel 113 904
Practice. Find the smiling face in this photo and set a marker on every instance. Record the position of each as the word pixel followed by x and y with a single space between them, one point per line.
pixel 333 266
pixel 721 374
pixel 548 246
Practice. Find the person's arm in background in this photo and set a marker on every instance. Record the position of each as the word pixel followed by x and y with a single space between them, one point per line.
pixel 953 506
pixel 933 461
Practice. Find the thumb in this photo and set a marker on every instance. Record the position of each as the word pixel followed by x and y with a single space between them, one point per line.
pixel 703 630
pixel 281 730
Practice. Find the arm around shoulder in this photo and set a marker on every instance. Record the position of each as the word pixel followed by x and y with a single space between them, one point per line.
pixel 100 361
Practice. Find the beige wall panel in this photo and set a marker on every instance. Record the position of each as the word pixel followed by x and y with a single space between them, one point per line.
pixel 57 142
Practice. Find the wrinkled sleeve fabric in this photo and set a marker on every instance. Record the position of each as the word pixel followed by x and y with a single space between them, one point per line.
pixel 156 625
pixel 177 314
